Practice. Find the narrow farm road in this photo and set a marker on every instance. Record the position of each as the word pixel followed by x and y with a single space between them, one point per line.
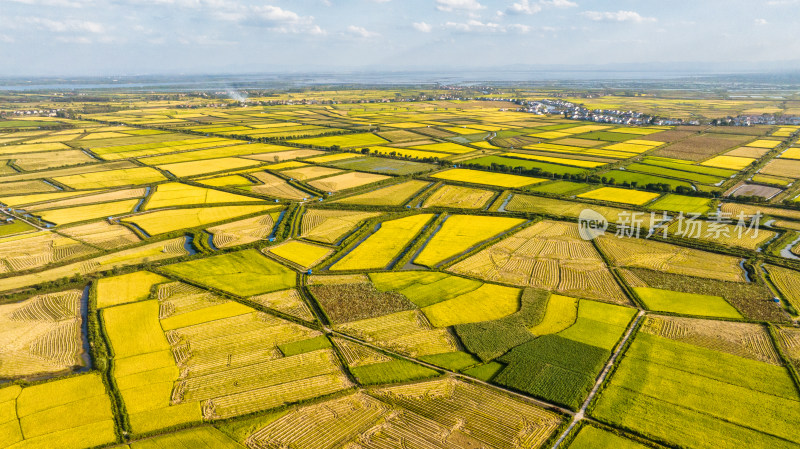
pixel 581 412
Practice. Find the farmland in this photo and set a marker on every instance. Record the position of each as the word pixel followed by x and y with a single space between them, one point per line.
pixel 341 267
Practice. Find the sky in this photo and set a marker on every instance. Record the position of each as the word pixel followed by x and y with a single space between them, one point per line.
pixel 143 37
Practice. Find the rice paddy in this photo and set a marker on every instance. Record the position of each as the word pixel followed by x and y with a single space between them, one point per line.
pixel 337 267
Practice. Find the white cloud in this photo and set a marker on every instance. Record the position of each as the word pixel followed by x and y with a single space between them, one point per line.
pixel 62 3
pixel 271 17
pixel 6 39
pixel 74 39
pixel 782 2
pixel 422 27
pixel 64 26
pixel 361 32
pixel 761 21
pixel 476 26
pixel 458 5
pixel 524 7
pixel 558 3
pixel 619 16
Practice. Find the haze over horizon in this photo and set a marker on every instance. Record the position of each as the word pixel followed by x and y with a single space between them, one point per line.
pixel 133 37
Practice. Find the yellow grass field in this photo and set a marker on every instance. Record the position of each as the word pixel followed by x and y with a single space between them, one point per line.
pixel 616 195
pixel 160 222
pixel 85 213
pixel 70 413
pixel 487 302
pixel 303 254
pixel 113 178
pixel 116 290
pixel 459 233
pixel 346 141
pixel 791 153
pixel 486 178
pixel 732 162
pixel 383 246
pixel 763 143
pixel 193 168
pixel 177 194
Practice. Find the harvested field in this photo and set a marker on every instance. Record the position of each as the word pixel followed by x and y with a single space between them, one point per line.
pixel 458 197
pixel 756 190
pixel 102 234
pixel 346 181
pixel 37 249
pixel 242 232
pixel 741 339
pixel 782 167
pixel 115 196
pixel 750 152
pixel 788 283
pixel 632 252
pixel 698 148
pixel 548 255
pixel 51 159
pixel 275 186
pixel 279 156
pixel 286 301
pixel 24 187
pixel 328 226
pixel 407 332
pixel 671 135
pixel 310 172
pixel 41 335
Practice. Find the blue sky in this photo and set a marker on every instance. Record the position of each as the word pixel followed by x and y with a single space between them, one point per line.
pixel 131 37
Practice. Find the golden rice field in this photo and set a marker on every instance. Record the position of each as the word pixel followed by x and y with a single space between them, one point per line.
pixel 381 247
pixel 305 255
pixel 486 178
pixel 617 195
pixel 315 268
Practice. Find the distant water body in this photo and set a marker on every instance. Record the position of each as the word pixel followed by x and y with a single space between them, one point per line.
pixel 267 81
